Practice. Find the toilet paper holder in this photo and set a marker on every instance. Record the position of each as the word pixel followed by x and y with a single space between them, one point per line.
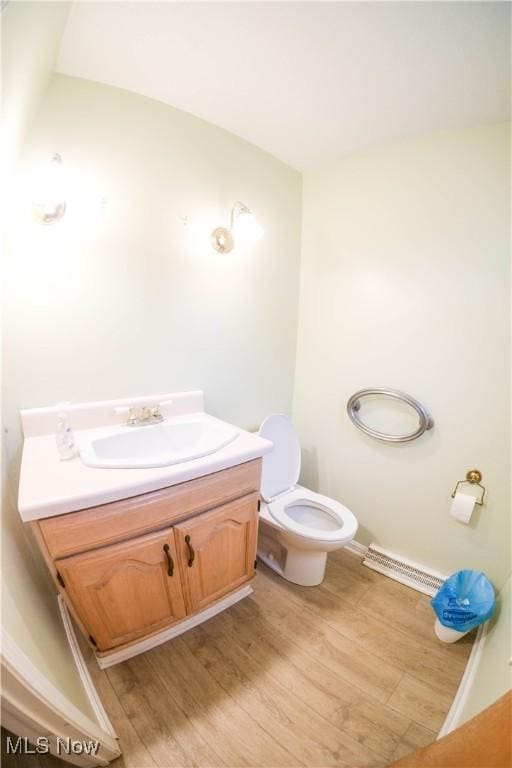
pixel 473 477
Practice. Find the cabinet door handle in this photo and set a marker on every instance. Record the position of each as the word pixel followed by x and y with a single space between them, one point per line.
pixel 191 553
pixel 170 563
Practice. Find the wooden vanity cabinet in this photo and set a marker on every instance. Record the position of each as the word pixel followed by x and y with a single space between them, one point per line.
pixel 131 569
pixel 127 590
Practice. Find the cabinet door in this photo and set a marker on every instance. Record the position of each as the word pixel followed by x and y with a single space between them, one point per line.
pixel 125 590
pixel 216 551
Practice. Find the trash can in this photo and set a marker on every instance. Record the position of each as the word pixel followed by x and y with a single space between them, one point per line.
pixel 464 601
pixel 446 634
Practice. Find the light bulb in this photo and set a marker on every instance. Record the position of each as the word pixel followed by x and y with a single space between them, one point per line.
pixel 246 228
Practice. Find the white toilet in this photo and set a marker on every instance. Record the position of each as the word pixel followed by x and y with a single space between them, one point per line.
pixel 297 526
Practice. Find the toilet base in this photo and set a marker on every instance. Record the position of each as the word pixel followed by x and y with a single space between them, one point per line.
pixel 296 558
pixel 303 567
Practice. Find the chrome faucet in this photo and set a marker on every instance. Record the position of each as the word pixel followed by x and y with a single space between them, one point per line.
pixel 140 417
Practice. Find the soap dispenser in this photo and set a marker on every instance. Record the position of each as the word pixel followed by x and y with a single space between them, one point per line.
pixel 64 435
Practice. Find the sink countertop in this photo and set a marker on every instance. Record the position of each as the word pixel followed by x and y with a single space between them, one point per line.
pixel 49 486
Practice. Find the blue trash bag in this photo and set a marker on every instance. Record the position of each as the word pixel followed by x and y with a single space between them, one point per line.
pixel 464 601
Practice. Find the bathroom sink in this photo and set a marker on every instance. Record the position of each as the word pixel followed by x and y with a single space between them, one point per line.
pixel 158 445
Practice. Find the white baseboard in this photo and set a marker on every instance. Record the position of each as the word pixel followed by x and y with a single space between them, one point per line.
pixel 92 693
pixel 356 548
pixel 452 720
pixel 37 708
pixel 177 629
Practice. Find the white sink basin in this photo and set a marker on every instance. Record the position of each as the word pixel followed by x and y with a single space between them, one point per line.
pixel 158 445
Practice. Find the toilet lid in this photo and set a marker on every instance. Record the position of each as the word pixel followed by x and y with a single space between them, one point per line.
pixel 281 467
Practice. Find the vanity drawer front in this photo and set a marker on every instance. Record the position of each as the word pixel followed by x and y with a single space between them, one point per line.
pixel 80 531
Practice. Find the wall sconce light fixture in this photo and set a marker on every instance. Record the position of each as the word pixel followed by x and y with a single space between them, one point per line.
pixel 51 204
pixel 244 228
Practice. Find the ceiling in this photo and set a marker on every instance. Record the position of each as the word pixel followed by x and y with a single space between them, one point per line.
pixel 306 81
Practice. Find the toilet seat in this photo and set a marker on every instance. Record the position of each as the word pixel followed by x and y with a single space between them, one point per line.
pixel 288 503
pixel 322 507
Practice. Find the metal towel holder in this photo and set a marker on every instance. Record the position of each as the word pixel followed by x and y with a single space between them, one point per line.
pixel 353 406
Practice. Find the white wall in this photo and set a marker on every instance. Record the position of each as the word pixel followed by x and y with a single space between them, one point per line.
pixel 493 677
pixel 122 299
pixel 31 33
pixel 405 284
pixel 30 39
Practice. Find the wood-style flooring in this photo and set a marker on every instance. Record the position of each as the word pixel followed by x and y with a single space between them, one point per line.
pixel 346 674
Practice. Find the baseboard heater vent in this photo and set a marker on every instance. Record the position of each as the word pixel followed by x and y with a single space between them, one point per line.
pixel 405 571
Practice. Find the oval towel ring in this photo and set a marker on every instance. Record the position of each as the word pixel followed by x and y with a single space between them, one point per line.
pixel 353 406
